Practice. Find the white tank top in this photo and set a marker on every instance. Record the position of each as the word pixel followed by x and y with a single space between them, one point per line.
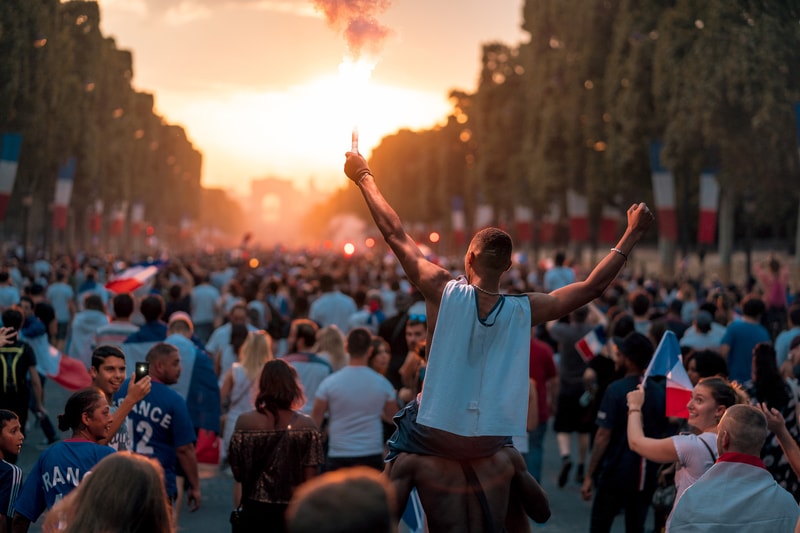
pixel 476 383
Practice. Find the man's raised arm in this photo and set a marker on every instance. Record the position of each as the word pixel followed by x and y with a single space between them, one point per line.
pixel 563 301
pixel 426 276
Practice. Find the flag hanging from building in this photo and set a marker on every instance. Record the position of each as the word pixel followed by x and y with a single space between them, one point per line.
pixel 484 215
pixel 667 361
pixel 63 196
pixel 96 219
pixel 10 146
pixel 118 219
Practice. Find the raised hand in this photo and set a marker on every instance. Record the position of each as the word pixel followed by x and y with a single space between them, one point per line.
pixel 356 166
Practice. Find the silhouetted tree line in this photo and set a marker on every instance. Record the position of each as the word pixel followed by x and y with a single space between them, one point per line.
pixel 578 106
pixel 67 89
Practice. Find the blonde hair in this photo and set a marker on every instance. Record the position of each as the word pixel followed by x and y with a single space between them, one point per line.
pixel 331 342
pixel 101 503
pixel 256 350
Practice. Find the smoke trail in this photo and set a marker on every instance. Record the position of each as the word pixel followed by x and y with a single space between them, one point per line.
pixel 356 20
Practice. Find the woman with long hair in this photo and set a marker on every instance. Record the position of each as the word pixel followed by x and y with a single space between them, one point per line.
pixel 102 503
pixel 770 388
pixel 274 449
pixel 88 415
pixel 695 452
pixel 240 385
pixel 330 346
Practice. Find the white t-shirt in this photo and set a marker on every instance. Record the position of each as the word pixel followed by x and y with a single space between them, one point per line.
pixel 356 397
pixel 476 382
pixel 694 458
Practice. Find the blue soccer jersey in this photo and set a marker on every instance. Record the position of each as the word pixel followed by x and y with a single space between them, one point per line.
pixel 56 473
pixel 10 481
pixel 158 425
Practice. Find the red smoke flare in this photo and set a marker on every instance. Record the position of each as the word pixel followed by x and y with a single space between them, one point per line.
pixel 355 19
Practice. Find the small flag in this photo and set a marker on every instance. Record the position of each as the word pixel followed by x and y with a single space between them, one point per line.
pixel 414 515
pixel 667 361
pixel 134 277
pixel 590 344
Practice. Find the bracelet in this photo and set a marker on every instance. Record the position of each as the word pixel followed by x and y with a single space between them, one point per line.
pixel 362 178
pixel 620 252
pixel 634 411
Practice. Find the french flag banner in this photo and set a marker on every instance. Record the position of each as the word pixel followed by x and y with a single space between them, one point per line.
pixel 523 217
pixel 10 146
pixel 137 218
pixel 134 277
pixel 550 220
pixel 592 343
pixel 609 225
pixel 667 361
pixel 578 211
pixel 484 216
pixel 709 202
pixel 66 174
pixel 663 195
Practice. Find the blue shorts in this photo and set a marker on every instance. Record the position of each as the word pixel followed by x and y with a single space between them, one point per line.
pixel 411 437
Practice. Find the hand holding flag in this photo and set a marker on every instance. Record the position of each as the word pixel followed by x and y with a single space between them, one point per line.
pixel 667 361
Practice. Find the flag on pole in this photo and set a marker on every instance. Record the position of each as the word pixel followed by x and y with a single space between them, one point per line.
pixel 66 174
pixel 590 344
pixel 550 221
pixel 134 277
pixel 667 361
pixel 578 211
pixel 137 218
pixel 523 217
pixel 609 225
pixel 10 146
pixel 709 202
pixel 484 215
pixel 663 195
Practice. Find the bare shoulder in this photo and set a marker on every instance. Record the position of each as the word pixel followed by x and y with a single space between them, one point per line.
pixel 304 421
pixel 251 420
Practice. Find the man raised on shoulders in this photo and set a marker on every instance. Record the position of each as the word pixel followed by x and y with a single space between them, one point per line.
pixel 478 338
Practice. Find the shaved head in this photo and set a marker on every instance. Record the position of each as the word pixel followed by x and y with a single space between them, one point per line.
pixel 492 248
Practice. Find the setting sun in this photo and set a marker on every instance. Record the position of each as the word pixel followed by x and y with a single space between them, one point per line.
pixel 298 131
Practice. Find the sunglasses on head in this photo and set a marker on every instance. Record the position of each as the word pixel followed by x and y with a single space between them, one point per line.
pixel 417 318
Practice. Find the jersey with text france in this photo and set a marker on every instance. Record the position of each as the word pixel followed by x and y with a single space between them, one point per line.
pixel 56 473
pixel 158 425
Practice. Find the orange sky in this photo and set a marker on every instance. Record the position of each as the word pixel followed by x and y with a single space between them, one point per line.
pixel 256 82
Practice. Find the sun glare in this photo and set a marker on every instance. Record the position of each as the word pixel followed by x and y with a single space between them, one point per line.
pixel 300 133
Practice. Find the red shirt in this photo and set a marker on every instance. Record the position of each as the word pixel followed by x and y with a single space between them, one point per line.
pixel 542 369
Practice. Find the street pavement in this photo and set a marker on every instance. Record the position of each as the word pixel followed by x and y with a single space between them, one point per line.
pixel 569 512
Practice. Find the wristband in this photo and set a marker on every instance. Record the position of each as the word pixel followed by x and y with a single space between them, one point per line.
pixel 362 178
pixel 634 411
pixel 620 252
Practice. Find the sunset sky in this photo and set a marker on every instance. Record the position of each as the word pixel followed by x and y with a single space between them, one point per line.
pixel 257 84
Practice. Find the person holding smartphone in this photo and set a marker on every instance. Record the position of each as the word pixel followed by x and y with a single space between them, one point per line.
pixel 108 373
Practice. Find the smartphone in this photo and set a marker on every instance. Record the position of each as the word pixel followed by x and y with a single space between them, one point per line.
pixel 142 369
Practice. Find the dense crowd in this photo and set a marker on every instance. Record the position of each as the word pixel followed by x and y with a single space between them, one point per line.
pixel 298 361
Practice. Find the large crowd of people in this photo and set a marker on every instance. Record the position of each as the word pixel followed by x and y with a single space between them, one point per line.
pixel 299 360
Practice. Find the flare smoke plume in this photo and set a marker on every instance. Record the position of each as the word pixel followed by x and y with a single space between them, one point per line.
pixel 356 20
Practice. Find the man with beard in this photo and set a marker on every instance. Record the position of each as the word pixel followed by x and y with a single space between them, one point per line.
pixel 311 368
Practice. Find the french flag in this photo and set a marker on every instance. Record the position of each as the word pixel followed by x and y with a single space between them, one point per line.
pixel 590 344
pixel 667 361
pixel 134 277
